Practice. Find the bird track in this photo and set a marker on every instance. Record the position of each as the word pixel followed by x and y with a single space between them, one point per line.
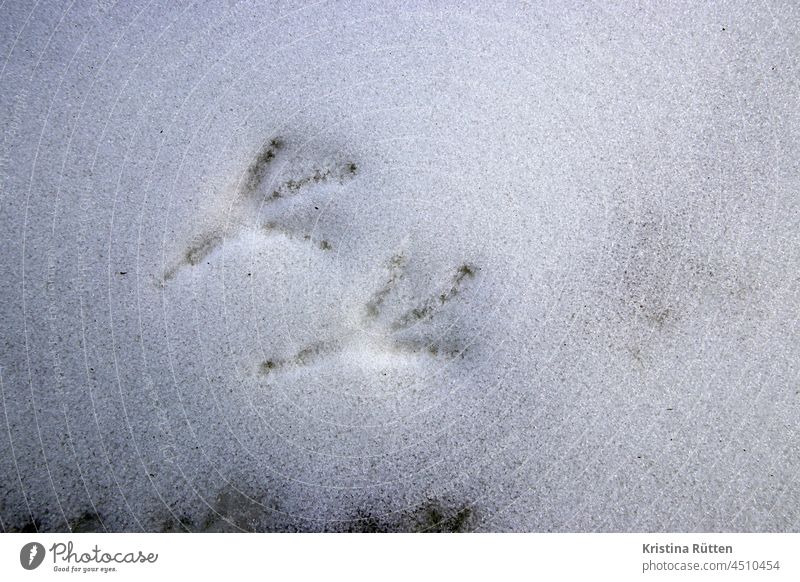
pixel 384 326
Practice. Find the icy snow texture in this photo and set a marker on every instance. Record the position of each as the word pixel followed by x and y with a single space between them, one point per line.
pixel 350 267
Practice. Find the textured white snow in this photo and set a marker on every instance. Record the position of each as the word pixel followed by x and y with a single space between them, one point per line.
pixel 343 266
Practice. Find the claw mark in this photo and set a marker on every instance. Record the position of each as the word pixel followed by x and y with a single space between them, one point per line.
pixel 397 265
pixel 258 169
pixel 201 249
pixel 292 187
pixel 269 365
pixel 427 309
pixel 304 357
pixel 433 349
pixel 194 255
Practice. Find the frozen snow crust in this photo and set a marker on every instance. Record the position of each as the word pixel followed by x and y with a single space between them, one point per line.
pixel 346 267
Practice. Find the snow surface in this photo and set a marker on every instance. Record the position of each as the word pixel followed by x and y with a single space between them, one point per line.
pixel 422 266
